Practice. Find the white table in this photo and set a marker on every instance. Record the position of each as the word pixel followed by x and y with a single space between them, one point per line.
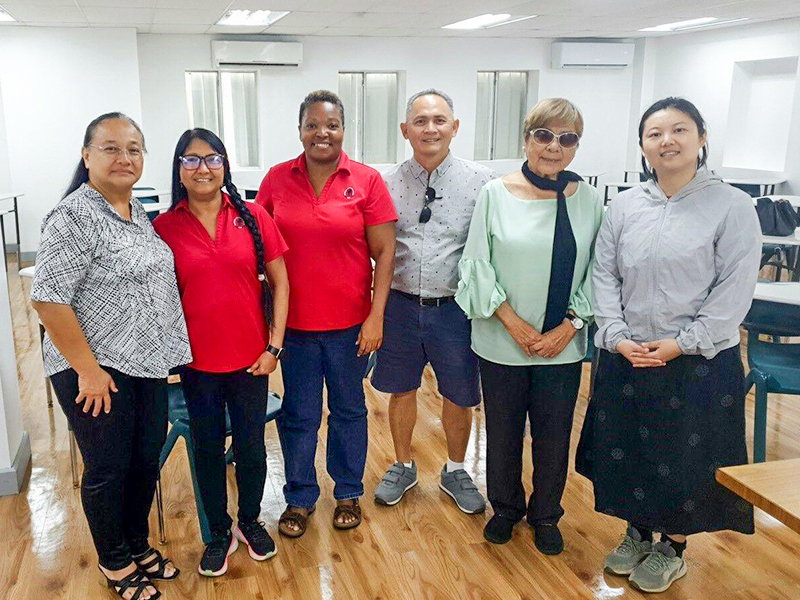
pixel 781 292
pixel 591 177
pixel 766 185
pixel 621 187
pixel 784 240
pixel 156 206
pixel 151 193
pixel 637 175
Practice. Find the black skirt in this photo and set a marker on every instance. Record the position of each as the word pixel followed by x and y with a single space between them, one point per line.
pixel 653 439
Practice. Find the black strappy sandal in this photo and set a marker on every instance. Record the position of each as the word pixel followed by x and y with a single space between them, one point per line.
pixel 149 559
pixel 137 581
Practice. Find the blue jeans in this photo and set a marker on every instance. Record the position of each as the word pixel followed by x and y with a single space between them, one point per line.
pixel 311 358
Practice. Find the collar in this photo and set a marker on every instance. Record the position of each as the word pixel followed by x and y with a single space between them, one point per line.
pixel 184 204
pixel 418 171
pixel 299 164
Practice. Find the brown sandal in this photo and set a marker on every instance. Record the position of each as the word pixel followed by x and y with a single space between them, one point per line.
pixel 353 510
pixel 292 517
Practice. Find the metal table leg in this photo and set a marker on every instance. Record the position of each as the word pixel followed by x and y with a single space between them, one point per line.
pixel 19 241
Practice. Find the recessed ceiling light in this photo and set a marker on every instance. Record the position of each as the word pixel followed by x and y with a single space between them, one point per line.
pixel 512 20
pixel 692 24
pixel 479 22
pixel 238 18
pixel 4 16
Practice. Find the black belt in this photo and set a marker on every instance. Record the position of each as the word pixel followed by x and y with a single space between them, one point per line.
pixel 426 301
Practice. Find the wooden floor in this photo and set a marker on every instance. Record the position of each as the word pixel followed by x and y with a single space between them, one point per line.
pixel 422 548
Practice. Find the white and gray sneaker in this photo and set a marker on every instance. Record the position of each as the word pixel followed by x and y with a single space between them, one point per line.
pixel 397 481
pixel 460 487
pixel 623 559
pixel 657 572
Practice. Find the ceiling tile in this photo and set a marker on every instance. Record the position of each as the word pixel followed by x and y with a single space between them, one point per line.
pixel 326 19
pixel 338 6
pixel 276 5
pixel 27 13
pixel 189 6
pixel 188 17
pixel 117 3
pixel 178 28
pixel 118 16
pixel 246 30
pixel 279 29
pixel 39 3
pixel 140 27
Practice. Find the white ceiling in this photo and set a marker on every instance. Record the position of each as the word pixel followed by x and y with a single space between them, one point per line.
pixel 396 18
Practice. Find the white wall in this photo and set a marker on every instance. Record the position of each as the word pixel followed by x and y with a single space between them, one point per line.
pixel 54 82
pixel 700 66
pixel 448 64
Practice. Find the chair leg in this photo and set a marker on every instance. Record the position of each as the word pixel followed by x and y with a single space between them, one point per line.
pixel 73 459
pixel 748 382
pixel 162 537
pixel 760 422
pixel 48 392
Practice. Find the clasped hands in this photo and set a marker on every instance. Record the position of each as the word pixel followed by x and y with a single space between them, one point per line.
pixel 649 354
pixel 546 345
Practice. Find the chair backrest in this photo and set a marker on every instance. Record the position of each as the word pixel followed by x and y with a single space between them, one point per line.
pixel 148 200
pixel 773 319
pixel 250 194
pixel 752 189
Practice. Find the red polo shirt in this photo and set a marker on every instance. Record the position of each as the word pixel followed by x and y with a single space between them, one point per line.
pixel 218 282
pixel 330 272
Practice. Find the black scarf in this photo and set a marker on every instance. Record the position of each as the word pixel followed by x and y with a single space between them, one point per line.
pixel 565 250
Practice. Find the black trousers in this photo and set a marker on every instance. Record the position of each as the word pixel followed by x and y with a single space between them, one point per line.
pixel 245 395
pixel 120 456
pixel 546 395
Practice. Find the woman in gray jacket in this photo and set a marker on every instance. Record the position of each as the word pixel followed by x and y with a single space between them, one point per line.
pixel 675 268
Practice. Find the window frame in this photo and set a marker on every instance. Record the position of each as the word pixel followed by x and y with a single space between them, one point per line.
pixel 493 115
pixel 360 145
pixel 220 118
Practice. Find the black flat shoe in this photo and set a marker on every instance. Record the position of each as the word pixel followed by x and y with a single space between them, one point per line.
pixel 547 539
pixel 498 530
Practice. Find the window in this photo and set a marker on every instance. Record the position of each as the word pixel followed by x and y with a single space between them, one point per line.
pixel 501 105
pixel 225 102
pixel 371 113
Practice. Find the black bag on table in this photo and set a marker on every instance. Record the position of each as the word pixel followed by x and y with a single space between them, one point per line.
pixel 777 217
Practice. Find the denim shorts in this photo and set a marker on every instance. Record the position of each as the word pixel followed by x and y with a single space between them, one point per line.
pixel 415 335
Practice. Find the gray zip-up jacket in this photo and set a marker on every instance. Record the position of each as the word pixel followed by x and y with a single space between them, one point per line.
pixel 683 268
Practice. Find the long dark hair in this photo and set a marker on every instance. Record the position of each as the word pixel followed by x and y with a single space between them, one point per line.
pixel 687 108
pixel 81 174
pixel 179 193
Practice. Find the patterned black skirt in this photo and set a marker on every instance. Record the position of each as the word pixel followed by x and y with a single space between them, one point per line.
pixel 654 437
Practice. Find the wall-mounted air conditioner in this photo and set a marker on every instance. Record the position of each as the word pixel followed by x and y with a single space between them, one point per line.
pixel 580 55
pixel 230 53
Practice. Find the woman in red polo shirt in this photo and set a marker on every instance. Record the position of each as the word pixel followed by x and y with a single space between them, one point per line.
pixel 336 214
pixel 233 284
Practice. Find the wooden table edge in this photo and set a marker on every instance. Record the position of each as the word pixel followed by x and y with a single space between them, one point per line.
pixel 772 509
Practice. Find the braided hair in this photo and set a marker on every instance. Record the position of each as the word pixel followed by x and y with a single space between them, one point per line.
pixel 179 193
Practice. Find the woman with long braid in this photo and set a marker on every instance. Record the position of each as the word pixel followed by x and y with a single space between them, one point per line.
pixel 235 294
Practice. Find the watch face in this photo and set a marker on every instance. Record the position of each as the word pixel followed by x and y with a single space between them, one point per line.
pixel 577 322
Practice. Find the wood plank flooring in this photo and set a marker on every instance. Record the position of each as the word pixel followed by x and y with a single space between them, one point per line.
pixel 422 548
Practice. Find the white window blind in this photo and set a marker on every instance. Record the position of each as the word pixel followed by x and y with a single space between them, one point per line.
pixel 226 103
pixel 502 99
pixel 371 116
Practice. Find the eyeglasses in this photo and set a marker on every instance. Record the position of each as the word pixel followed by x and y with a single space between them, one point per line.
pixel 545 137
pixel 116 152
pixel 212 161
pixel 430 196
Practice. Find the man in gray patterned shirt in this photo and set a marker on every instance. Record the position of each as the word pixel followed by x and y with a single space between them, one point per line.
pixel 434 194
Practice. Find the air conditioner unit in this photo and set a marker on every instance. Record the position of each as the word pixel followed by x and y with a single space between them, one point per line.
pixel 580 55
pixel 230 53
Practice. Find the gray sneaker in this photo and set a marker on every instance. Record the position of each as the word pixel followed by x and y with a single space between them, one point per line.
pixel 623 559
pixel 460 487
pixel 397 481
pixel 657 572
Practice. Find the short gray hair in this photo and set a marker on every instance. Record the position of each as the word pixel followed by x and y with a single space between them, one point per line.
pixel 429 92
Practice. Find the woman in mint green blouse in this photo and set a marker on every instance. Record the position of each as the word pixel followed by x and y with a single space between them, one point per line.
pixel 525 282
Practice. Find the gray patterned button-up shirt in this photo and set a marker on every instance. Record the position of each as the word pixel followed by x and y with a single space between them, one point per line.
pixel 119 278
pixel 426 261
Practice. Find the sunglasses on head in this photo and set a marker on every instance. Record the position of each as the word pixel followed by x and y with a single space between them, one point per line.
pixel 430 196
pixel 545 137
pixel 192 163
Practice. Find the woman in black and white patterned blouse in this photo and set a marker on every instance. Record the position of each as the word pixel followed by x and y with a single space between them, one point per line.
pixel 106 293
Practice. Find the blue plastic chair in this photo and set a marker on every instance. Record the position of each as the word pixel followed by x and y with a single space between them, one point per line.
pixel 179 419
pixel 774 366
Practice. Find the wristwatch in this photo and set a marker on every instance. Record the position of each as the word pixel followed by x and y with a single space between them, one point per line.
pixel 576 322
pixel 276 352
